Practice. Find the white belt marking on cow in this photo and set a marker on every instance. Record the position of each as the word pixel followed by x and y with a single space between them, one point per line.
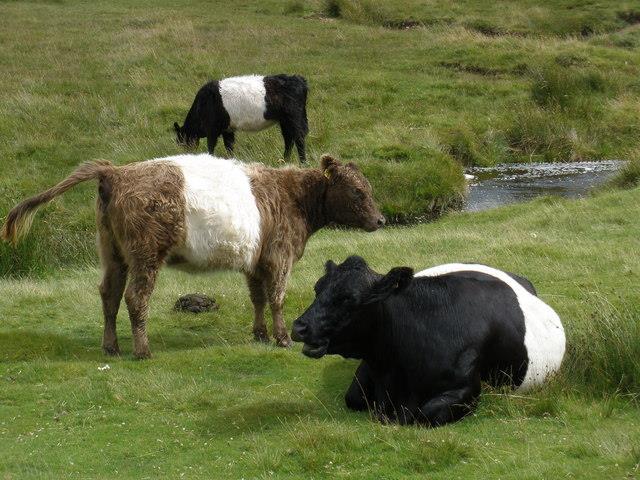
pixel 544 336
pixel 221 215
pixel 244 99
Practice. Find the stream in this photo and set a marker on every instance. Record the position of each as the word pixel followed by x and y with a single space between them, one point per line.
pixel 504 184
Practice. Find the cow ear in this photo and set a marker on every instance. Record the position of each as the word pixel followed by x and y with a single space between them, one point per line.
pixel 328 165
pixel 353 166
pixel 176 127
pixel 330 266
pixel 393 282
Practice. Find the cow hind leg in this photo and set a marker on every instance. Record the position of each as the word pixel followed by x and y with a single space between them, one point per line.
pixel 259 300
pixel 111 289
pixel 142 279
pixel 451 405
pixel 301 149
pixel 288 135
pixel 301 128
pixel 300 134
pixel 229 139
pixel 359 396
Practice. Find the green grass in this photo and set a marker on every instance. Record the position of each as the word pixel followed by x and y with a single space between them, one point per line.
pixel 563 18
pixel 554 81
pixel 412 91
pixel 211 403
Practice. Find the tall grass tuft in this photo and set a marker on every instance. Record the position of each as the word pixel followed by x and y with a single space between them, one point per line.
pixel 629 176
pixel 293 7
pixel 559 86
pixel 545 135
pixel 462 145
pixel 603 347
pixel 416 189
pixel 357 11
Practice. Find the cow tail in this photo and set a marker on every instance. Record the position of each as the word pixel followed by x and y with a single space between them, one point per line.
pixel 19 219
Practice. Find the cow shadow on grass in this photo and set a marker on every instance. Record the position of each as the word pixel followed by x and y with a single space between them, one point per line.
pixel 312 399
pixel 335 381
pixel 25 345
pixel 336 378
pixel 257 416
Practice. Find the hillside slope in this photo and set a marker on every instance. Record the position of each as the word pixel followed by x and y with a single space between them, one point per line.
pixel 85 80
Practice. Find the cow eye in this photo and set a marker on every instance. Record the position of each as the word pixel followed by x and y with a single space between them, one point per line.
pixel 359 194
pixel 346 301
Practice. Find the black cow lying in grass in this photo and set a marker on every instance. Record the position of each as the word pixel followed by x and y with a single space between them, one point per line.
pixel 427 341
pixel 249 103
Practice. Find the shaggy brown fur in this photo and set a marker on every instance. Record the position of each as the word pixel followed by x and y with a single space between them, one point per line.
pixel 140 215
pixel 141 218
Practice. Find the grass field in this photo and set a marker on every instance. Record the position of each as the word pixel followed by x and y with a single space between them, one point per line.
pixel 213 404
pixel 554 80
pixel 412 91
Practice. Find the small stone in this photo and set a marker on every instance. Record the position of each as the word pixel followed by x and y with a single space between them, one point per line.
pixel 195 303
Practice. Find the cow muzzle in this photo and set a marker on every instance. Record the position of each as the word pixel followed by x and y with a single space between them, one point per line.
pixel 313 351
pixel 298 331
pixel 376 224
pixel 301 332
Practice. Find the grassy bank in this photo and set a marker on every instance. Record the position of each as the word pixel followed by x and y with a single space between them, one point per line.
pixel 211 403
pixel 89 80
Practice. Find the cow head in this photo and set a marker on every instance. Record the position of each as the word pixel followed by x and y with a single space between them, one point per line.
pixel 334 322
pixel 185 138
pixel 349 199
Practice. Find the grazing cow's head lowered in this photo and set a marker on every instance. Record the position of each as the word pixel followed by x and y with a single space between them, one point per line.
pixel 329 325
pixel 349 198
pixel 186 138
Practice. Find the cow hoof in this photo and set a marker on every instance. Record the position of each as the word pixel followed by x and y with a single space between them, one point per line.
pixel 284 342
pixel 143 355
pixel 262 337
pixel 111 350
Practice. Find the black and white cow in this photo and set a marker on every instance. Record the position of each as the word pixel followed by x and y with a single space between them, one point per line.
pixel 248 103
pixel 426 341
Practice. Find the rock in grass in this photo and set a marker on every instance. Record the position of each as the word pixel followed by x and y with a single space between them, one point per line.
pixel 195 303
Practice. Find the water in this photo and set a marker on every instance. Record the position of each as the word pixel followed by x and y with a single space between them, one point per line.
pixel 504 184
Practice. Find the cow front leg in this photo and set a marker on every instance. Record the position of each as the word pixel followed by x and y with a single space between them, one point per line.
pixel 450 406
pixel 259 300
pixel 212 140
pixel 360 394
pixel 276 288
